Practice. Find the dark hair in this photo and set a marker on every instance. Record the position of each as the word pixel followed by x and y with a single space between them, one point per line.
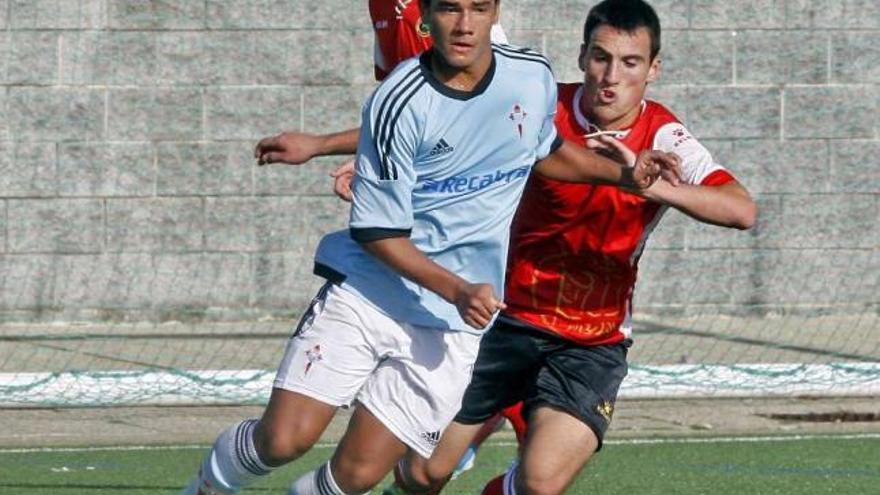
pixel 625 15
pixel 425 4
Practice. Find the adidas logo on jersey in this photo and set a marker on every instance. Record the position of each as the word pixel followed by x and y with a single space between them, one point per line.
pixel 432 437
pixel 441 148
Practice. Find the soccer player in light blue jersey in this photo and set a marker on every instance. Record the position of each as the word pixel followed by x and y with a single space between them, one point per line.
pixel 446 144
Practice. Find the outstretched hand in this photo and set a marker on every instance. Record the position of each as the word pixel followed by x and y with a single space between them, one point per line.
pixel 646 168
pixel 293 148
pixel 652 165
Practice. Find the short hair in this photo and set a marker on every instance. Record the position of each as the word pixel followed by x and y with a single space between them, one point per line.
pixel 426 4
pixel 625 15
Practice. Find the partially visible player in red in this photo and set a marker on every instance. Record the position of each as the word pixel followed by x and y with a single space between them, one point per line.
pixel 400 34
pixel 560 347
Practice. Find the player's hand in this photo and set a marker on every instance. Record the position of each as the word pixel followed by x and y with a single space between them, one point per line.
pixel 342 178
pixel 650 166
pixel 612 148
pixel 293 148
pixel 476 303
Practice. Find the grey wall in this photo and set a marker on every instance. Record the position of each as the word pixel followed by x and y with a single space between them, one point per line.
pixel 127 190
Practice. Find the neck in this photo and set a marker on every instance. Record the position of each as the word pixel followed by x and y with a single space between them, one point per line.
pixel 460 78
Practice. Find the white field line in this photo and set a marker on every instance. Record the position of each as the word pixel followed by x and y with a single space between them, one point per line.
pixel 629 441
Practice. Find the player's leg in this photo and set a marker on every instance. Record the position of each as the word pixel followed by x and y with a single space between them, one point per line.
pixel 323 367
pixel 557 447
pixel 363 457
pixel 466 462
pixel 507 360
pixel 416 475
pixel 410 397
pixel 569 411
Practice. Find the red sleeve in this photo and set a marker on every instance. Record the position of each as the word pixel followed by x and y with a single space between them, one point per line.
pixel 718 178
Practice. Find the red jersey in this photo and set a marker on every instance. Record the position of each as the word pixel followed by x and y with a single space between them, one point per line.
pixel 574 248
pixel 400 33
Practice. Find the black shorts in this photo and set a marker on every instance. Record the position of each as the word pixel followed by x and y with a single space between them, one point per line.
pixel 518 362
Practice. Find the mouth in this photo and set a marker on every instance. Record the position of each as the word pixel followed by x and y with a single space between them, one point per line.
pixel 607 95
pixel 460 47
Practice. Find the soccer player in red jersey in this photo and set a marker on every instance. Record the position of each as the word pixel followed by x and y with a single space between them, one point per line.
pixel 401 33
pixel 560 346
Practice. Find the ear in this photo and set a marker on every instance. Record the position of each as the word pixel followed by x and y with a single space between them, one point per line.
pixel 654 70
pixel 582 58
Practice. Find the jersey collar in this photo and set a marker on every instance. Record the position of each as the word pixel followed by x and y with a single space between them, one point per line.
pixel 480 88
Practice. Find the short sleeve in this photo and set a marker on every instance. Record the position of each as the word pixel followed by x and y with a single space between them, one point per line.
pixel 384 174
pixel 697 163
pixel 548 139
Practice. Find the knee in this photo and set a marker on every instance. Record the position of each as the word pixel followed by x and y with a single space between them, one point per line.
pixel 540 484
pixel 278 445
pixel 423 477
pixel 354 476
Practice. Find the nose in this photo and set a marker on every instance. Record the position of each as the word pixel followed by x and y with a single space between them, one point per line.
pixel 464 25
pixel 612 73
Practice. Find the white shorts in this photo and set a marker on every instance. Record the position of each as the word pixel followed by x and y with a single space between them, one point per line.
pixel 411 378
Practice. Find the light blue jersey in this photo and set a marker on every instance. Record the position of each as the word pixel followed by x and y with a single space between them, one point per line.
pixel 445 168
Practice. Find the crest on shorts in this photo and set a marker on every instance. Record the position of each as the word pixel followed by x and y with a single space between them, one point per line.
pixel 606 409
pixel 313 355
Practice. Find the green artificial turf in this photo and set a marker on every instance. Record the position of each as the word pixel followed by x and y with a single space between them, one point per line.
pixel 794 466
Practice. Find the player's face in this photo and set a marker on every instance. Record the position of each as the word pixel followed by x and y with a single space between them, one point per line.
pixel 461 30
pixel 617 68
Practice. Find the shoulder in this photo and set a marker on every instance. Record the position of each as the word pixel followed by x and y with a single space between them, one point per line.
pixel 658 114
pixel 520 58
pixel 403 83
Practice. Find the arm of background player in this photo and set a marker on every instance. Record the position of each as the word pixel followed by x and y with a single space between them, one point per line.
pixel 296 148
pixel 572 163
pixel 727 205
pixel 711 194
pixel 476 303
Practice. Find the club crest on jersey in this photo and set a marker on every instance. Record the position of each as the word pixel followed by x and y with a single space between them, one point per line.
pixel 313 355
pixel 518 116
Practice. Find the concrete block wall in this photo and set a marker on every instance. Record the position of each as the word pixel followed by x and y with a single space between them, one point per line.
pixel 127 190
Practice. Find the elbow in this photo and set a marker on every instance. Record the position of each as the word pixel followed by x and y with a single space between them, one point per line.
pixel 746 217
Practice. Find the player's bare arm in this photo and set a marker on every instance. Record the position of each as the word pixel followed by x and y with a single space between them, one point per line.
pixel 296 148
pixel 476 303
pixel 572 163
pixel 727 205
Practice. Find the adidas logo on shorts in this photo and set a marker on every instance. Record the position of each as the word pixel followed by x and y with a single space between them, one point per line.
pixel 441 148
pixel 432 437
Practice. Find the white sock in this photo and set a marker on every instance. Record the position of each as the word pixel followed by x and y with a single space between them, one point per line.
pixel 317 482
pixel 233 462
pixel 509 483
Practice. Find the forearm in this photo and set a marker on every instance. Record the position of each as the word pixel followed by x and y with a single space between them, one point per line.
pixel 403 257
pixel 572 163
pixel 339 143
pixel 728 205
